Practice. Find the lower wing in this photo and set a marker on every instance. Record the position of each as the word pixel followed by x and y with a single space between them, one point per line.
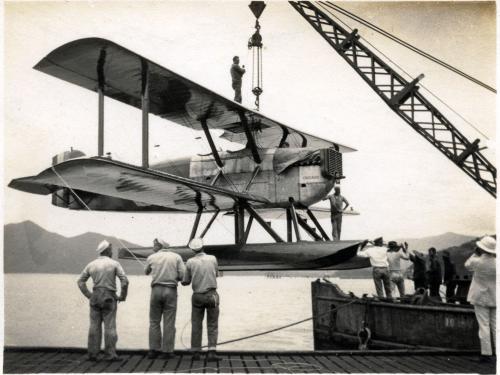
pixel 125 181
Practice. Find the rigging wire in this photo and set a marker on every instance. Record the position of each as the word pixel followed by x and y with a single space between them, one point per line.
pixel 407 45
pixel 411 78
pixel 88 208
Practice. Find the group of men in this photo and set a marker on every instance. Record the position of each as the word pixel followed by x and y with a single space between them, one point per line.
pixel 167 269
pixel 387 273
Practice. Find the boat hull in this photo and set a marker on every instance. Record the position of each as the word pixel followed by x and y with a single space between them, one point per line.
pixel 393 325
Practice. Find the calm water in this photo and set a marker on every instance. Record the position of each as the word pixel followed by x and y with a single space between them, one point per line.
pixel 49 310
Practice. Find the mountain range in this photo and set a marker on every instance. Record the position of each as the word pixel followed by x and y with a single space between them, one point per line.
pixel 28 248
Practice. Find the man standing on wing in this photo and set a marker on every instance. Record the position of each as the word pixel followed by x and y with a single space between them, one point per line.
pixel 202 272
pixel 236 77
pixel 103 300
pixel 166 269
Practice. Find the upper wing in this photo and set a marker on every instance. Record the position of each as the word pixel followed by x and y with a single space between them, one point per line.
pixel 125 181
pixel 86 62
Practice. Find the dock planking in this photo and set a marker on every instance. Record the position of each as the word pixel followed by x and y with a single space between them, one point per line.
pixel 65 360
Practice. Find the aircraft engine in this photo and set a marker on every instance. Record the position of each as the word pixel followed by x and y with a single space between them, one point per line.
pixel 63 197
pixel 331 166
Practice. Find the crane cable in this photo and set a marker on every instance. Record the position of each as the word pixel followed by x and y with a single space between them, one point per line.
pixel 411 78
pixel 407 45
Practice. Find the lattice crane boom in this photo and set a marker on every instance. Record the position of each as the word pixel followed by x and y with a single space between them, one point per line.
pixel 402 97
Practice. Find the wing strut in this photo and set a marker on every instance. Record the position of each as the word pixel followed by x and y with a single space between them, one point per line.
pixel 250 138
pixel 100 90
pixel 210 140
pixel 145 113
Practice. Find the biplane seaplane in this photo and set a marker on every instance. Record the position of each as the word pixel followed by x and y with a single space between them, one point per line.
pixel 279 168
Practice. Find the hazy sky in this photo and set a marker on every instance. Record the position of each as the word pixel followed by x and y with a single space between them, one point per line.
pixel 402 185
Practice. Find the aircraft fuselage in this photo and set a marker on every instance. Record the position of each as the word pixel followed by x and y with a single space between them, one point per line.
pixel 303 174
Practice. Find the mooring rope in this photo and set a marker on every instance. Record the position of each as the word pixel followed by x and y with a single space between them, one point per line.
pixel 270 330
pixel 88 208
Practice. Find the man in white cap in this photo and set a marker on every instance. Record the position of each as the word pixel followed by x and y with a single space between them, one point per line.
pixel 103 300
pixel 202 272
pixel 482 293
pixel 166 269
pixel 338 204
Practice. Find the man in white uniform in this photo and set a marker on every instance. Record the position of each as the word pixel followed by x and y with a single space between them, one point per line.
pixel 482 293
pixel 377 253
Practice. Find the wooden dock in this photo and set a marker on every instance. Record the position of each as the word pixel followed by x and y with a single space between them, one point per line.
pixel 54 360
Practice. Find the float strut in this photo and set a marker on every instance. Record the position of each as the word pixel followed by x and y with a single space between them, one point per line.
pixel 196 223
pixel 247 231
pixel 294 220
pixel 263 223
pixel 212 219
pixel 308 229
pixel 289 235
pixel 318 225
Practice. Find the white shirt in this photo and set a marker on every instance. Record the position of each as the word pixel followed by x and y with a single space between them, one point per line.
pixel 377 255
pixel 482 290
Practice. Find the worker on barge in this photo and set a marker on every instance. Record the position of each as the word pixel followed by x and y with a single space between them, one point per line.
pixel 482 293
pixel 449 277
pixel 419 269
pixel 394 255
pixel 434 274
pixel 377 253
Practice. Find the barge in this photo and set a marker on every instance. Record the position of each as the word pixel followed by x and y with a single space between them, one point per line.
pixel 342 320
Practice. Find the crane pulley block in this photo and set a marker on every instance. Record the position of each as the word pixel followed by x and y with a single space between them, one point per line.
pixel 406 92
pixel 347 43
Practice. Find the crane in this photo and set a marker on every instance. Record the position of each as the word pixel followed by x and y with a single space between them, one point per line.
pixel 402 97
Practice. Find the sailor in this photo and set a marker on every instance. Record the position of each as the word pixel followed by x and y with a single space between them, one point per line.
pixel 166 269
pixel 434 274
pixel 337 208
pixel 202 272
pixel 377 253
pixel 103 300
pixel 394 255
pixel 482 293
pixel 449 277
pixel 419 270
pixel 236 75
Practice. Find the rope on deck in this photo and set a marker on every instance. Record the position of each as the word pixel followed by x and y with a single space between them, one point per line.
pixel 270 330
